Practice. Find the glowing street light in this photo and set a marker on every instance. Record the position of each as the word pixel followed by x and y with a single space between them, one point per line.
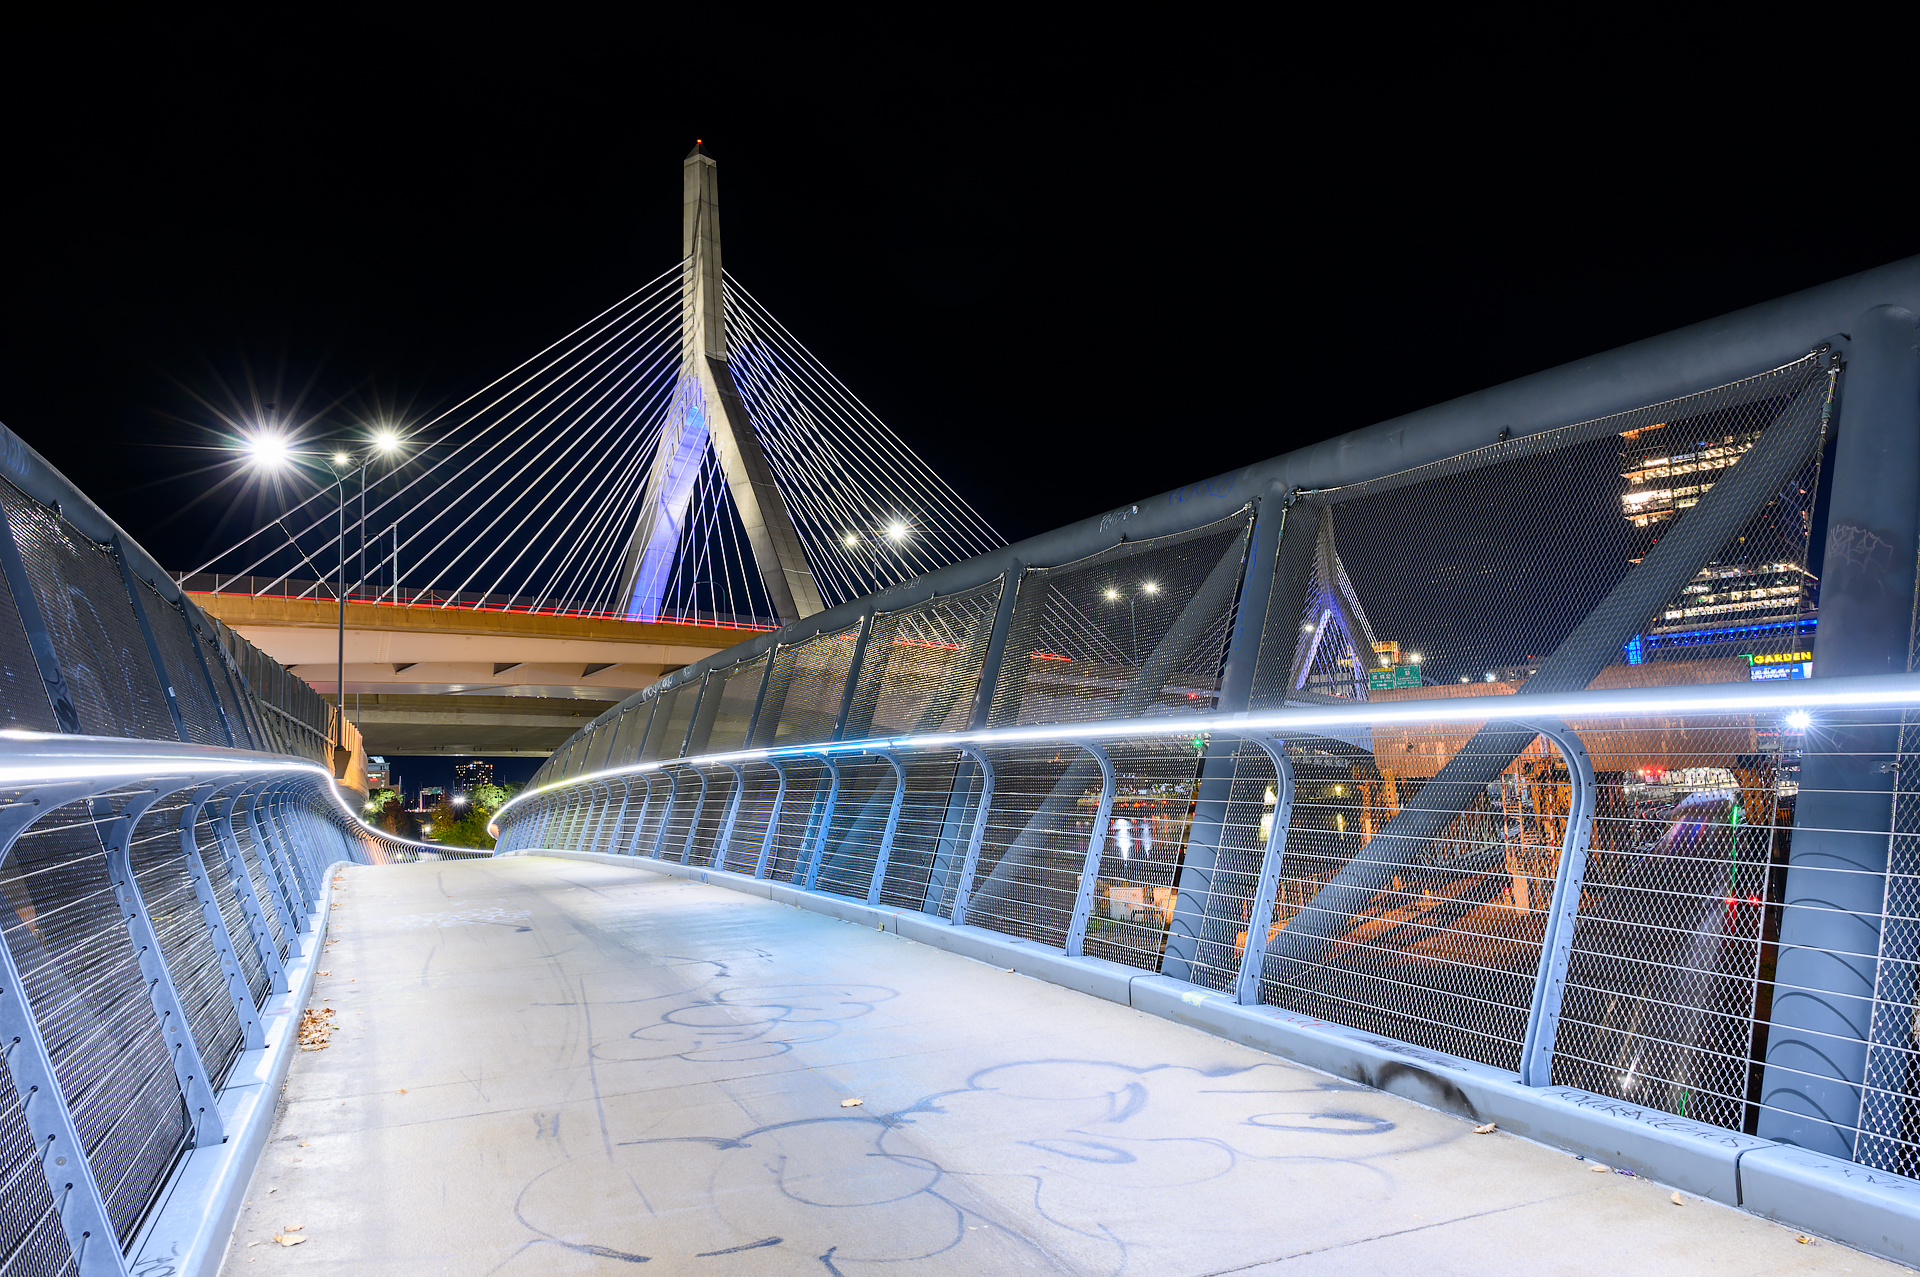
pixel 342 459
pixel 896 531
pixel 852 542
pixel 1799 720
pixel 268 450
pixel 1112 593
pixel 386 441
pixel 1150 587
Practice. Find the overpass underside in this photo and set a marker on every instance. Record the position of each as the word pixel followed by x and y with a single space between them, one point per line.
pixel 540 1065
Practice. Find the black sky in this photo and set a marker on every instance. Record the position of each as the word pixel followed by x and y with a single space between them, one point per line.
pixel 1068 277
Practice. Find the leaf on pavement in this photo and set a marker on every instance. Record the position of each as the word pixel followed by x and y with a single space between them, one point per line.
pixel 852 1104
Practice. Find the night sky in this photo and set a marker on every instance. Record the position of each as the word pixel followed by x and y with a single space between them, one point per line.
pixel 1068 278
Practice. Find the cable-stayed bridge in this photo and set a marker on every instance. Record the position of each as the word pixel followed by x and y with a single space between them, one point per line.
pixel 675 470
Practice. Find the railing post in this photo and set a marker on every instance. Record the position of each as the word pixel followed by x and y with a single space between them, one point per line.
pixel 893 823
pixel 250 905
pixel 773 820
pixel 666 813
pixel 946 850
pixel 723 843
pixel 963 889
pixel 759 699
pixel 640 821
pixel 1083 900
pixel 626 794
pixel 600 814
pixel 237 992
pixel 63 1159
pixel 1563 912
pixel 693 823
pixel 189 1066
pixel 826 824
pixel 1253 957
pixel 279 865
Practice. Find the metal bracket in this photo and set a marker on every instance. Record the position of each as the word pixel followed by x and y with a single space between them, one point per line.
pixel 723 842
pixel 1253 956
pixel 773 819
pixel 250 905
pixel 1556 945
pixel 963 889
pixel 826 824
pixel 252 1035
pixel 693 822
pixel 893 823
pixel 666 812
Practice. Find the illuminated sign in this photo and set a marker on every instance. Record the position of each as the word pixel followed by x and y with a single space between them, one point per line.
pixel 1762 673
pixel 1782 658
pixel 1398 676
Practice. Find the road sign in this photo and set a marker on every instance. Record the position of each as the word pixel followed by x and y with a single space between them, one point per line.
pixel 1388 679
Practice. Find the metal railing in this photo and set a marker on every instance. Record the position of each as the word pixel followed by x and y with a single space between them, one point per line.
pixel 156 893
pixel 1599 906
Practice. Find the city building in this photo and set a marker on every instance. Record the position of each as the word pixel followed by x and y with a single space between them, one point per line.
pixel 430 796
pixel 376 772
pixel 470 775
pixel 1758 597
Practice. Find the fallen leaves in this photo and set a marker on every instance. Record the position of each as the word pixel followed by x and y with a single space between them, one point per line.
pixel 323 973
pixel 287 1239
pixel 1598 1169
pixel 1804 1240
pixel 316 1028
pixel 401 1091
pixel 1678 1200
pixel 852 1104
pixel 1488 1129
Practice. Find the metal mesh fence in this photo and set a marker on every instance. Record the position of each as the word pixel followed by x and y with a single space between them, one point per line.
pixel 805 687
pixel 808 785
pixel 89 616
pixel 199 712
pixel 1437 940
pixel 726 710
pixel 32 1242
pixel 1478 569
pixel 23 697
pixel 185 942
pixel 90 1000
pixel 1238 818
pixel 703 845
pixel 861 814
pixel 759 791
pixel 1038 827
pixel 1152 812
pixel 1138 629
pixel 929 817
pixel 922 665
pixel 232 912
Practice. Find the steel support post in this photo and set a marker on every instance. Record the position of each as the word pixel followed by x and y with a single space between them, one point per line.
pixel 1563 911
pixel 1096 840
pixel 819 851
pixel 620 818
pixel 1194 903
pixel 1253 955
pixel 1836 881
pixel 759 699
pixel 160 670
pixel 773 820
pixel 853 675
pixel 601 813
pixel 250 905
pixel 244 1010
pixel 640 821
pixel 189 1066
pixel 893 823
pixel 280 860
pixel 970 863
pixel 947 851
pixel 693 822
pixel 666 812
pixel 63 1159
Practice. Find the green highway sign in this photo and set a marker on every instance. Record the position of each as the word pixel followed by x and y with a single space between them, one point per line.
pixel 1388 679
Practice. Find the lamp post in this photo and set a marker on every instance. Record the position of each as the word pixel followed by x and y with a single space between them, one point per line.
pixel 270 450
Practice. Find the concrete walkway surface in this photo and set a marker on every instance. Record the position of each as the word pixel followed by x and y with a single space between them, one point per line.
pixel 544 1066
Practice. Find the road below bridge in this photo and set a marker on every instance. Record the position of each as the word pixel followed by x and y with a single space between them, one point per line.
pixel 544 1066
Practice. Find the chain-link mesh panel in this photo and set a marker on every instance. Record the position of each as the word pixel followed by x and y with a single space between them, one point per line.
pixel 1242 801
pixel 23 695
pixel 86 991
pixel 653 815
pixel 809 784
pixel 232 912
pixel 1694 814
pixel 1477 568
pixel 1138 629
pixel 922 666
pixel 860 812
pixel 245 732
pixel 599 745
pixel 32 1241
pixel 726 707
pixel 1154 788
pixel 805 687
pixel 1443 954
pixel 929 818
pixel 83 599
pixel 672 711
pixel 192 694
pixel 684 809
pixel 1045 800
pixel 759 793
pixel 628 733
pixel 160 871
pixel 1890 1102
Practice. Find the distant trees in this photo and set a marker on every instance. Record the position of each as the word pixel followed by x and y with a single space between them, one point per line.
pixel 464 824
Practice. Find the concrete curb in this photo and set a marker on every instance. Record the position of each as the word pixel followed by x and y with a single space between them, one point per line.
pixel 1874 1211
pixel 188 1231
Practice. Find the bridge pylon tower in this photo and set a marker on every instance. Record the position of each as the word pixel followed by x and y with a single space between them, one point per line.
pixel 708 411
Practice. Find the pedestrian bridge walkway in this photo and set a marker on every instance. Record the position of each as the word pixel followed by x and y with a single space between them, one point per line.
pixel 543 1065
